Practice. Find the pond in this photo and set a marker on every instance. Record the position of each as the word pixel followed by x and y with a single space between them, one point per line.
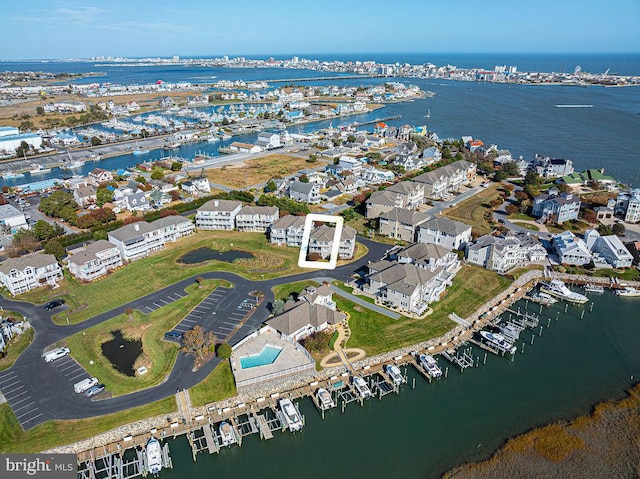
pixel 205 254
pixel 122 353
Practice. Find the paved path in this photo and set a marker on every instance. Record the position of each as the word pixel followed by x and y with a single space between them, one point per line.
pixel 52 395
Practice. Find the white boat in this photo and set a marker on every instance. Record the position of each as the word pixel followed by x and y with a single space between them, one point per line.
pixel 558 289
pixel 628 292
pixel 70 165
pixel 361 387
pixel 213 139
pixel 226 137
pixel 594 288
pixel 543 298
pixel 325 401
pixel 291 415
pixel 498 341
pixel 140 151
pixel 510 331
pixel 227 434
pixel 394 374
pixel 38 169
pixel 12 176
pixel 154 456
pixel 430 366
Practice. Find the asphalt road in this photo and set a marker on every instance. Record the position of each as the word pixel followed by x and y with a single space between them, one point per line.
pixel 38 391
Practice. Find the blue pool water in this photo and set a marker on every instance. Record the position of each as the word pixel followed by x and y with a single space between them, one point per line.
pixel 267 356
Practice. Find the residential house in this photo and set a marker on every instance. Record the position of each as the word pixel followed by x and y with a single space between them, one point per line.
pixel 85 195
pixel 373 176
pixel 428 256
pixel 268 140
pixel 140 239
pixel 287 231
pixel 448 233
pixel 196 186
pixel 570 249
pixel 256 218
pixel 28 272
pixel 551 167
pixel 405 194
pixel 100 175
pixel 218 215
pixel 12 219
pixel 305 192
pixel 238 147
pixel 354 165
pixel 400 223
pixel 502 253
pixel 431 155
pixel 313 311
pixel 443 181
pixel 133 202
pixel 628 204
pixel 321 242
pixel 94 261
pixel 409 162
pixel 608 248
pixel 556 208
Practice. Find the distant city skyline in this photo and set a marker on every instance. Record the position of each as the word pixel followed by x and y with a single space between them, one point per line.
pixel 39 29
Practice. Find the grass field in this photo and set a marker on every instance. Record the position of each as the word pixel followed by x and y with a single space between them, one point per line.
pixel 155 272
pixel 158 355
pixel 284 290
pixel 56 433
pixel 259 170
pixel 216 386
pixel 377 334
pixel 528 226
pixel 472 210
pixel 15 349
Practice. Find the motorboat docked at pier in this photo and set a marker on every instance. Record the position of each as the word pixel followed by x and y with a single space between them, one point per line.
pixel 593 288
pixel 140 151
pixel 558 289
pixel 543 298
pixel 291 415
pixel 497 341
pixel 325 401
pixel 227 434
pixel 510 331
pixel 12 176
pixel 361 387
pixel 430 366
pixel 154 456
pixel 628 292
pixel 38 169
pixel 394 374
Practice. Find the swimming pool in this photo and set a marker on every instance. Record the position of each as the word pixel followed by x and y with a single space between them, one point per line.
pixel 267 356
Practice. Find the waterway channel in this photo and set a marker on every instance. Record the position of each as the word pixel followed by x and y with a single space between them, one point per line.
pixel 425 431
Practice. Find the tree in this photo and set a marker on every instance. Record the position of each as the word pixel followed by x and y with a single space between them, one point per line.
pixel 511 209
pixel 511 169
pixel 95 141
pixel 43 230
pixel 40 111
pixel 56 202
pixel 605 230
pixel 199 280
pixel 176 166
pixel 26 125
pixel 129 312
pixel 175 195
pixel 304 178
pixel 100 235
pixel 349 214
pixel 24 241
pixel 55 248
pixel 157 174
pixel 618 229
pixel 501 175
pixel 196 342
pixel 23 148
pixel 271 186
pixel 590 216
pixel 223 351
pixel 351 138
pixel 532 178
pixel 141 179
pixel 277 307
pixel 312 158
pixel 103 195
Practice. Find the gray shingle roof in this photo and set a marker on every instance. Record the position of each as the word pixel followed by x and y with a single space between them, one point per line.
pixel 450 227
pixel 220 205
pixel 89 252
pixel 404 216
pixel 35 260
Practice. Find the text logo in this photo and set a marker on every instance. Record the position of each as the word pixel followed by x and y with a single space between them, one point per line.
pixel 51 466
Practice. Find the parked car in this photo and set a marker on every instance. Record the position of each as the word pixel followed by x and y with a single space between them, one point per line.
pixel 173 336
pixel 54 304
pixel 55 354
pixel 95 390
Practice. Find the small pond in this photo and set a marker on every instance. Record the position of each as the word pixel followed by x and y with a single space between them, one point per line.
pixel 122 353
pixel 205 254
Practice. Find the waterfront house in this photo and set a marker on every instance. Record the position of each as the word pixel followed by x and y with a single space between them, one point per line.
pixel 313 311
pixel 556 208
pixel 256 218
pixel 570 249
pixel 400 223
pixel 218 215
pixel 238 147
pixel 443 181
pixel 551 167
pixel 305 192
pixel 140 239
pixel 94 261
pixel 268 140
pixel 502 253
pixel 30 271
pixel 287 231
pixel 608 249
pixel 12 220
pixel 448 233
pixel 321 242
pixel 628 205
pixel 85 195
pixel 100 175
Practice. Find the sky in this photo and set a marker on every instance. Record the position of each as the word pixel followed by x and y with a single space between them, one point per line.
pixel 35 29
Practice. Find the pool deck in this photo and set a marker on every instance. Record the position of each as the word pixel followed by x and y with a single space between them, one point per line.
pixel 293 359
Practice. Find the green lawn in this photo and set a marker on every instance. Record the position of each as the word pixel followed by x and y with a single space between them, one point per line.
pixel 377 334
pixel 15 348
pixel 522 216
pixel 158 355
pixel 284 290
pixel 216 386
pixel 57 433
pixel 472 211
pixel 528 226
pixel 343 287
pixel 155 272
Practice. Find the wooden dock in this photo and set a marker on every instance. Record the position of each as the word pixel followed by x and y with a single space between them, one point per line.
pixel 263 426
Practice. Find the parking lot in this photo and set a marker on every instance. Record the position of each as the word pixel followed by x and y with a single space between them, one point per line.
pixel 159 302
pixel 20 399
pixel 221 312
